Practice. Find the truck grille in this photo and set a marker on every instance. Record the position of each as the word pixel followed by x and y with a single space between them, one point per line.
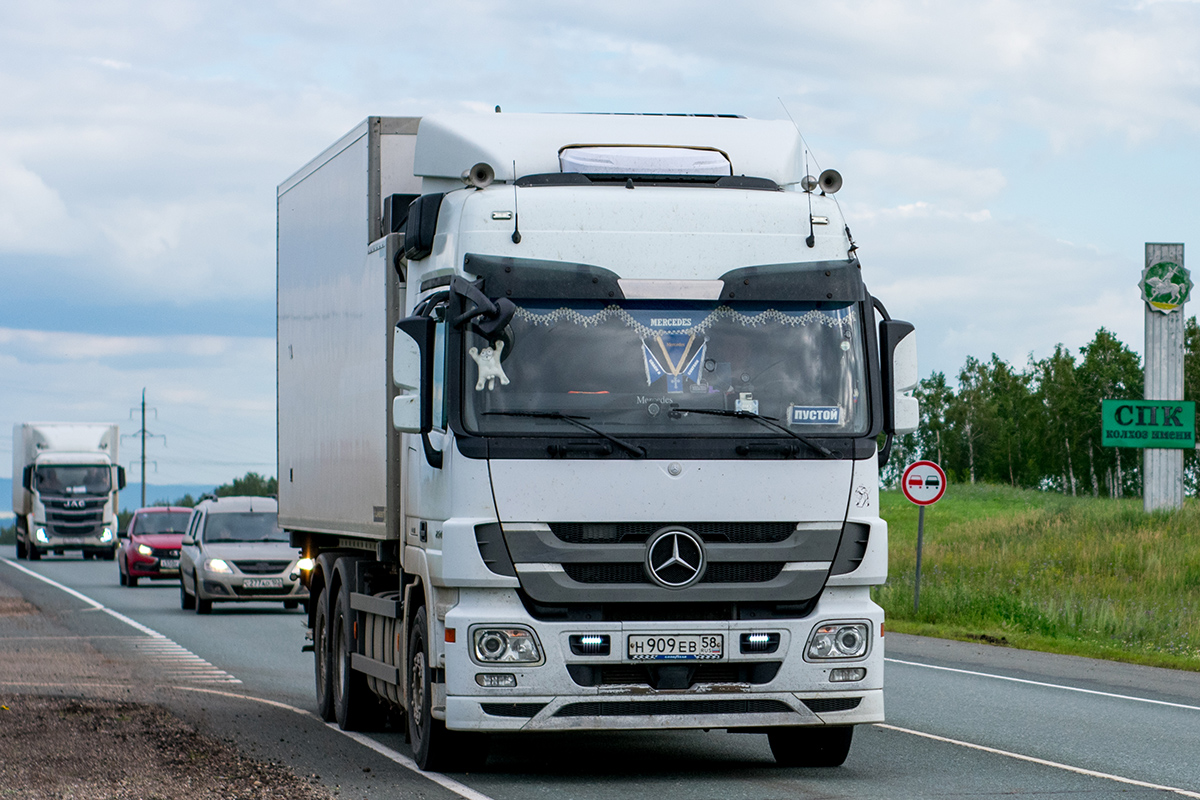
pixel 262 567
pixel 637 532
pixel 74 516
pixel 752 572
pixel 755 672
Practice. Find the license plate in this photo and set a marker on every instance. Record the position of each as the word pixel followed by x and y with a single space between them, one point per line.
pixel 263 583
pixel 675 647
pixel 168 563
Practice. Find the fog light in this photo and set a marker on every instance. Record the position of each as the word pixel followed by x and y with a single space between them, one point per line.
pixel 847 674
pixel 496 680
pixel 40 535
pixel 591 644
pixel 505 645
pixel 106 535
pixel 847 640
pixel 760 642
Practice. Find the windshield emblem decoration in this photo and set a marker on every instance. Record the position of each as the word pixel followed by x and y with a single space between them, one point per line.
pixel 677 368
pixel 675 558
pixel 488 361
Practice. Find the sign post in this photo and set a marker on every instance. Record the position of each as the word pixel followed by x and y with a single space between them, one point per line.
pixel 1165 286
pixel 923 483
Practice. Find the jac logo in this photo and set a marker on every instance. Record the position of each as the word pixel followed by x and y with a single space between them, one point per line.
pixel 74 504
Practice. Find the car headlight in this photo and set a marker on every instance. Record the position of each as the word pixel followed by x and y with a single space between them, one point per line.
pixel 106 535
pixel 838 640
pixel 145 549
pixel 495 645
pixel 218 565
pixel 40 535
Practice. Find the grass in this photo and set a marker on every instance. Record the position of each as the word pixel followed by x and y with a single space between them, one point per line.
pixel 1082 576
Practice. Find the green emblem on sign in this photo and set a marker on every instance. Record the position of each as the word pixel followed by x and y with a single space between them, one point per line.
pixel 1165 286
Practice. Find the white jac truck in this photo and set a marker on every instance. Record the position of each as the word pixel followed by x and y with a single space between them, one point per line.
pixel 579 425
pixel 65 483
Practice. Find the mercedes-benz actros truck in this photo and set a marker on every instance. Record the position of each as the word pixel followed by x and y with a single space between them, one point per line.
pixel 581 419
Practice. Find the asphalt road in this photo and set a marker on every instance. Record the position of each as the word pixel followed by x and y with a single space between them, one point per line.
pixel 963 719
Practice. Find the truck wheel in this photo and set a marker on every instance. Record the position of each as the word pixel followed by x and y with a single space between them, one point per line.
pixel 34 553
pixel 186 601
pixel 108 555
pixel 202 606
pixel 20 548
pixel 354 705
pixel 810 747
pixel 434 747
pixel 323 659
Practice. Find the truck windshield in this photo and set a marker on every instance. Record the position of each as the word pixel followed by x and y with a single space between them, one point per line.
pixel 622 366
pixel 243 526
pixel 62 479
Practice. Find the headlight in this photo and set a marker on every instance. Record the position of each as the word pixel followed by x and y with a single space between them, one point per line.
pixel 847 640
pixel 218 565
pixel 505 646
pixel 40 535
pixel 145 549
pixel 106 535
pixel 305 564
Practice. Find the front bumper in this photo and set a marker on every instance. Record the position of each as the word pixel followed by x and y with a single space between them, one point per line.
pixel 49 540
pixel 140 566
pixel 548 697
pixel 233 588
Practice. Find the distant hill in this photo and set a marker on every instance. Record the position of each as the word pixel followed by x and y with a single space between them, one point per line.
pixel 131 496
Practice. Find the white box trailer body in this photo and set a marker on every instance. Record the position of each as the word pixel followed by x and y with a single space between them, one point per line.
pixel 577 421
pixel 66 478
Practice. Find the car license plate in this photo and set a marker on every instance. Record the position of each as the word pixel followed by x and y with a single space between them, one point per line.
pixel 263 583
pixel 675 647
pixel 168 563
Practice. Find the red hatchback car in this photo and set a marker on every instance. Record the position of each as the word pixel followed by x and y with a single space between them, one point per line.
pixel 150 546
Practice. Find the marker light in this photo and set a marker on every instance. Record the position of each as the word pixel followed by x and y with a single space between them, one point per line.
pixel 305 564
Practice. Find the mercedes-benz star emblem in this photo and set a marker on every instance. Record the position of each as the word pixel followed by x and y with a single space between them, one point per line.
pixel 675 558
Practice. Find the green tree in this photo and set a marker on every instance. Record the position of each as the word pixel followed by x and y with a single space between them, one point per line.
pixel 1109 371
pixel 251 484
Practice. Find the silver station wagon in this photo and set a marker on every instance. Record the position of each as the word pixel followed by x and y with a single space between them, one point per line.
pixel 234 551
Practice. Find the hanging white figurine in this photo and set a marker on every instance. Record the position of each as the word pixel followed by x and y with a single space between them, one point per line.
pixel 488 361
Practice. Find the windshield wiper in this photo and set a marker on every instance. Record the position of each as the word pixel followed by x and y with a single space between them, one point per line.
pixel 676 411
pixel 636 450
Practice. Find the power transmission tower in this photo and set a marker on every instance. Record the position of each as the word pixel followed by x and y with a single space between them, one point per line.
pixel 145 435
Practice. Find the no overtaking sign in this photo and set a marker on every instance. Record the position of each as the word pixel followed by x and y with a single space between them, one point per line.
pixel 923 483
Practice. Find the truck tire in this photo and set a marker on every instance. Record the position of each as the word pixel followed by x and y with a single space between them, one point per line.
pixel 33 553
pixel 202 606
pixel 355 707
pixel 811 747
pixel 20 547
pixel 186 601
pixel 323 658
pixel 434 747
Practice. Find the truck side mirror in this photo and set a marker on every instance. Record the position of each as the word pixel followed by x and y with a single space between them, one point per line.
pixel 412 372
pixel 120 478
pixel 898 351
pixel 27 478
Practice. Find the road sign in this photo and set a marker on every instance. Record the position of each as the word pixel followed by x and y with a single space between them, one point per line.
pixel 1148 423
pixel 923 483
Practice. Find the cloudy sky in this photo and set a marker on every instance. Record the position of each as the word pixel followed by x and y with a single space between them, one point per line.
pixel 1004 161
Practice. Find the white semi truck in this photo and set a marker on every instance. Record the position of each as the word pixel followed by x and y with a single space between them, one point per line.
pixel 579 424
pixel 65 483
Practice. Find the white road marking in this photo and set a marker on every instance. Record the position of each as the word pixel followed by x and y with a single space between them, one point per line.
pixel 1045 685
pixel 1043 762
pixel 177 661
pixel 460 789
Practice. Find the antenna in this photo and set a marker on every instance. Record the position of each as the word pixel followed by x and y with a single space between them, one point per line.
pixel 805 183
pixel 516 236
